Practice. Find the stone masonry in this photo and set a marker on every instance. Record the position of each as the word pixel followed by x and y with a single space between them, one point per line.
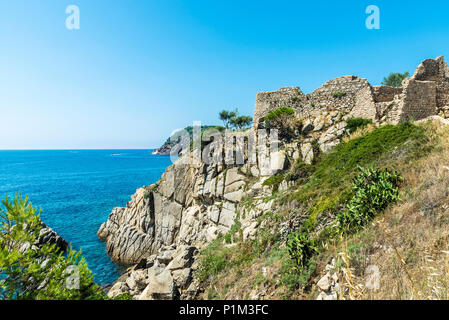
pixel 426 93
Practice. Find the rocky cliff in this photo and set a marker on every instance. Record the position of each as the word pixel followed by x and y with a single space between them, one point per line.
pixel 164 225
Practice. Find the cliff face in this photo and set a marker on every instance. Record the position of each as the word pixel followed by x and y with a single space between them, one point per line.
pixel 192 204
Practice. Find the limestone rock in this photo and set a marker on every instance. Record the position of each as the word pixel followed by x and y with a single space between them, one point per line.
pixel 160 285
pixel 137 280
pixel 118 289
pixel 307 153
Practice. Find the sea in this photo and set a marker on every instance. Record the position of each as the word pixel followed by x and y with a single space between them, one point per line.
pixel 77 190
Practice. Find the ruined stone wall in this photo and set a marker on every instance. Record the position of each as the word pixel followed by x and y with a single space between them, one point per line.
pixel 385 93
pixel 267 101
pixel 337 94
pixel 419 100
pixel 425 93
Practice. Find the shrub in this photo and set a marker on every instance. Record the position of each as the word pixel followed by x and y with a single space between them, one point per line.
pixel 339 94
pixel 300 249
pixel 284 120
pixel 373 191
pixel 355 123
pixel 274 182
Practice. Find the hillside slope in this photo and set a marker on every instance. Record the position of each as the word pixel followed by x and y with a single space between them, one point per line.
pixel 283 217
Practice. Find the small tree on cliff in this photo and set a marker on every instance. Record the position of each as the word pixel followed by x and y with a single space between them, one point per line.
pixel 395 79
pixel 34 271
pixel 234 120
pixel 241 122
pixel 227 116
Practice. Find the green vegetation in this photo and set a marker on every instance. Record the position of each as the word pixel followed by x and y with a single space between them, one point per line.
pixel 355 123
pixel 336 169
pixel 38 272
pixel 339 94
pixel 301 248
pixel 274 182
pixel 232 119
pixel 241 122
pixel 333 198
pixel 372 192
pixel 395 79
pixel 284 120
pixel 227 116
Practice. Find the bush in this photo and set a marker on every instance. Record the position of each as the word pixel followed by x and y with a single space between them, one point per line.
pixel 284 120
pixel 300 249
pixel 355 123
pixel 339 94
pixel 38 272
pixel 274 182
pixel 373 191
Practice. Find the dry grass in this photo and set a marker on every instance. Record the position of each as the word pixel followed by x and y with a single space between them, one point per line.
pixel 409 243
pixel 360 132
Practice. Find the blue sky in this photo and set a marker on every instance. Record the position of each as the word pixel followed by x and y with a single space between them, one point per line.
pixel 136 70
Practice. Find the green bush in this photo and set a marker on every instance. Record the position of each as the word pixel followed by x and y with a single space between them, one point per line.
pixel 300 249
pixel 373 191
pixel 274 182
pixel 39 272
pixel 284 120
pixel 339 94
pixel 355 123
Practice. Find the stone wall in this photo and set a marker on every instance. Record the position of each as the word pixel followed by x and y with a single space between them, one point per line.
pixel 267 101
pixel 425 93
pixel 418 100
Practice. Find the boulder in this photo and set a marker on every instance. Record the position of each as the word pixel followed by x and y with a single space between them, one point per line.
pixel 160 285
pixel 118 289
pixel 137 280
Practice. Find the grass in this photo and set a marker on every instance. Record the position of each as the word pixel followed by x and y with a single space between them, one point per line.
pixel 382 147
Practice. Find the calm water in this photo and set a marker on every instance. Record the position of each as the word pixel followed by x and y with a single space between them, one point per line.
pixel 77 190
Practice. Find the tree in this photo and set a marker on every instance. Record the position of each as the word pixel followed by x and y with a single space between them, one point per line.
pixel 234 120
pixel 241 122
pixel 227 116
pixel 34 271
pixel 395 79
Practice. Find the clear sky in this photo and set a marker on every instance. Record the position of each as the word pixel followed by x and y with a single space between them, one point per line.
pixel 137 70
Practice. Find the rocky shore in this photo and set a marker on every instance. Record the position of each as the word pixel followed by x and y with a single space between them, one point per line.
pixel 165 225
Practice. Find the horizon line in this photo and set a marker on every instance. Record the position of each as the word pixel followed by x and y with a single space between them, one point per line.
pixel 72 149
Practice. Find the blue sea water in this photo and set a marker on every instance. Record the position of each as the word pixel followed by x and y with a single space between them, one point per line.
pixel 77 190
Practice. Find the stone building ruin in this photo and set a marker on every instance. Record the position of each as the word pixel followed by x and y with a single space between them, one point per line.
pixel 425 94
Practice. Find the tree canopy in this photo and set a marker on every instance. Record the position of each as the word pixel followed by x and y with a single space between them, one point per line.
pixel 34 271
pixel 232 119
pixel 395 79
